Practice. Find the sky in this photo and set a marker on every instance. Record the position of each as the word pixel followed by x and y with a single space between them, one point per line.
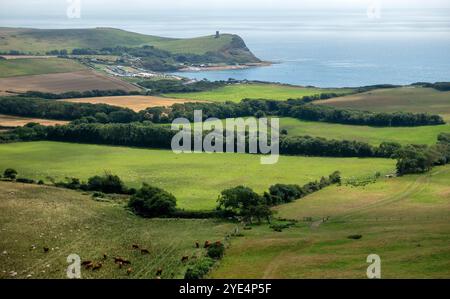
pixel 28 8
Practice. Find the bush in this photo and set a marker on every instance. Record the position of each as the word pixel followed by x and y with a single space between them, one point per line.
pixel 216 250
pixel 151 201
pixel 10 173
pixel 108 183
pixel 200 269
pixel 25 180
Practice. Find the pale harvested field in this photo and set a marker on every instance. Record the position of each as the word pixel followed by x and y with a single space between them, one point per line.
pixel 18 121
pixel 136 103
pixel 8 57
pixel 64 82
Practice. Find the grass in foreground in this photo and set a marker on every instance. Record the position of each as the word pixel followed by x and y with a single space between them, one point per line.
pixel 403 220
pixel 411 99
pixel 237 92
pixel 68 222
pixel 37 66
pixel 195 179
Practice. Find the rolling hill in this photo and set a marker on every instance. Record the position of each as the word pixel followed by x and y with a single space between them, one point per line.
pixel 40 41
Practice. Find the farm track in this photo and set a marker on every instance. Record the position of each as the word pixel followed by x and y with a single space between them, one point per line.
pixel 419 184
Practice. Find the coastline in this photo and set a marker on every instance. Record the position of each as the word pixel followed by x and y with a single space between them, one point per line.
pixel 225 67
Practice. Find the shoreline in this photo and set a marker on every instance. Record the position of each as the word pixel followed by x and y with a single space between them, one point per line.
pixel 225 67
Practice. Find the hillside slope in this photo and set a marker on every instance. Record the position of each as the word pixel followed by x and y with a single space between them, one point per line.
pixel 39 41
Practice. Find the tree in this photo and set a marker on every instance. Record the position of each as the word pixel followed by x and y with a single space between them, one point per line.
pixel 243 201
pixel 151 201
pixel 10 173
pixel 108 183
pixel 414 159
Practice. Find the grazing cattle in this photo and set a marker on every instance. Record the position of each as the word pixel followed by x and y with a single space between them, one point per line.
pixel 135 246
pixel 120 260
pixel 184 258
pixel 218 243
pixel 105 256
pixel 145 251
pixel 197 245
pixel 89 265
pixel 207 244
pixel 97 266
pixel 84 263
pixel 46 249
pixel 159 272
pixel 129 270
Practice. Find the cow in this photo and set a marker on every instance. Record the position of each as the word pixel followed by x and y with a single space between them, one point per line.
pixel 184 258
pixel 129 270
pixel 135 246
pixel 46 249
pixel 207 244
pixel 197 245
pixel 105 256
pixel 159 271
pixel 84 263
pixel 97 266
pixel 120 260
pixel 145 251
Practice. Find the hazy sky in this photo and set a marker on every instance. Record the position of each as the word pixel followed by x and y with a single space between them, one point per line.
pixel 25 8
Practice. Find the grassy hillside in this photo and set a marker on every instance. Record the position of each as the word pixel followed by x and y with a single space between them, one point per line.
pixel 403 220
pixel 371 135
pixel 68 222
pixel 412 99
pixel 195 179
pixel 37 66
pixel 237 92
pixel 43 40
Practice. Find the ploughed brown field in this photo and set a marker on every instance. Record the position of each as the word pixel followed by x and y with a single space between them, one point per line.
pixel 18 121
pixel 136 103
pixel 64 82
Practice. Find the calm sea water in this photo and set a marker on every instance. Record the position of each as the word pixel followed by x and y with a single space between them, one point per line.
pixel 308 48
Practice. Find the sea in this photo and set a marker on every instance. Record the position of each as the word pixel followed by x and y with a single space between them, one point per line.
pixel 308 48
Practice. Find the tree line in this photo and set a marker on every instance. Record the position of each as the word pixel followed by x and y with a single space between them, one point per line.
pixel 142 134
pixel 296 108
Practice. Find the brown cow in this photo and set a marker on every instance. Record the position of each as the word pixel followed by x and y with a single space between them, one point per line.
pixel 218 243
pixel 184 258
pixel 207 244
pixel 121 260
pixel 89 265
pixel 84 263
pixel 145 251
pixel 159 272
pixel 97 266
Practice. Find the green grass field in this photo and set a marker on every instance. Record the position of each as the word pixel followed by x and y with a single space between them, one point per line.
pixel 237 92
pixel 37 66
pixel 195 179
pixel 68 222
pixel 412 99
pixel 403 220
pixel 43 40
pixel 371 135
